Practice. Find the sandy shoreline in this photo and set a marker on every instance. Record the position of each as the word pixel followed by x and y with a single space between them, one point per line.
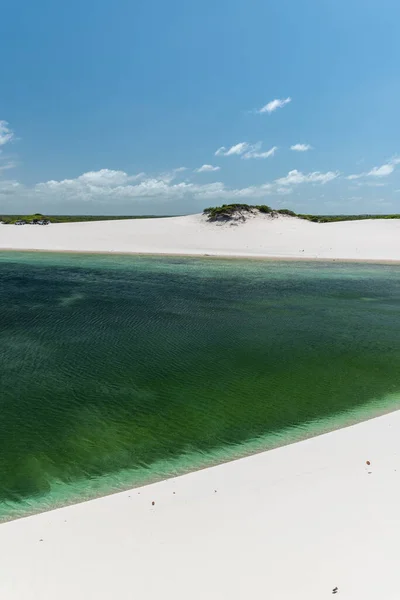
pixel 247 449
pixel 281 238
pixel 300 259
pixel 294 522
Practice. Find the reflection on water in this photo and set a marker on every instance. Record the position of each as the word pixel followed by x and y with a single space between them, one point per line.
pixel 120 370
pixel 71 299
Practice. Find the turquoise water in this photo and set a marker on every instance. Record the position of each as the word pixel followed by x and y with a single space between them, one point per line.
pixel 119 370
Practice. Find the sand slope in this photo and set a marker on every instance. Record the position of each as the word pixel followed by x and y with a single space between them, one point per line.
pixel 258 236
pixel 292 523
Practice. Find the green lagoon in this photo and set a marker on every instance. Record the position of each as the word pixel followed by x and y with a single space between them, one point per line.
pixel 121 370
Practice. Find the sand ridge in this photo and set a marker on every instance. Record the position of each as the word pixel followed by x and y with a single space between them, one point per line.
pixel 259 236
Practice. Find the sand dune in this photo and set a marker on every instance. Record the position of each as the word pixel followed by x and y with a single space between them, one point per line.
pixel 295 522
pixel 261 235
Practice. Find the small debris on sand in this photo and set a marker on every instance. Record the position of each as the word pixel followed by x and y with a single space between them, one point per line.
pixel 153 503
pixel 335 590
pixel 368 462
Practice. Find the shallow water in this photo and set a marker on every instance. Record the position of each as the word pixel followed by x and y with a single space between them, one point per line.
pixel 118 370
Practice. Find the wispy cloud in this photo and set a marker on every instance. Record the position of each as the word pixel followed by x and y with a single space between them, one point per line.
pixel 301 147
pixel 382 171
pixel 351 177
pixel 8 165
pixel 254 153
pixel 6 134
pixel 384 202
pixel 207 169
pixel 296 177
pixel 167 176
pixel 246 150
pixel 274 105
pixel 237 149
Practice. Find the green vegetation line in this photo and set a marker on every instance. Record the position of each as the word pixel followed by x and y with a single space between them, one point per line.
pixel 37 217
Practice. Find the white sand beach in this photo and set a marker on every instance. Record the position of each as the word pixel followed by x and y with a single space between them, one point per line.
pixel 295 522
pixel 259 236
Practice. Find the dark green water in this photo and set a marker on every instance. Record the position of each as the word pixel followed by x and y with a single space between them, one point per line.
pixel 120 370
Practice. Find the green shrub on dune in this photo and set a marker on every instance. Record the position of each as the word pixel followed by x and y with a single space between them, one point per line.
pixel 240 211
pixel 228 211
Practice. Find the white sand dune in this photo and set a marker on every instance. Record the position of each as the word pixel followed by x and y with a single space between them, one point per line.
pixel 292 523
pixel 261 235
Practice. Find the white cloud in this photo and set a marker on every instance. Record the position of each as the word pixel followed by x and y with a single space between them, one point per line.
pixel 207 169
pixel 237 149
pixel 10 189
pixel 110 187
pixel 301 147
pixel 220 152
pixel 253 153
pixel 296 177
pixel 105 177
pixel 351 177
pixel 284 191
pixel 384 202
pixel 6 134
pixel 8 165
pixel 274 105
pixel 382 171
pixel 121 188
pixel 119 185
pixel 167 176
pixel 373 184
pixel 246 150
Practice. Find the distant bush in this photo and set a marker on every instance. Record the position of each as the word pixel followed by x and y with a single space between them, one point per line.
pixel 286 211
pixel 263 208
pixel 227 211
pixel 337 218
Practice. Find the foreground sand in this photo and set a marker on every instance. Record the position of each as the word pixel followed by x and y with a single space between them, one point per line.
pixel 292 523
pixel 284 237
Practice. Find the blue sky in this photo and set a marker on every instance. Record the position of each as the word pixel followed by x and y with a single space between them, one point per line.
pixel 113 108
